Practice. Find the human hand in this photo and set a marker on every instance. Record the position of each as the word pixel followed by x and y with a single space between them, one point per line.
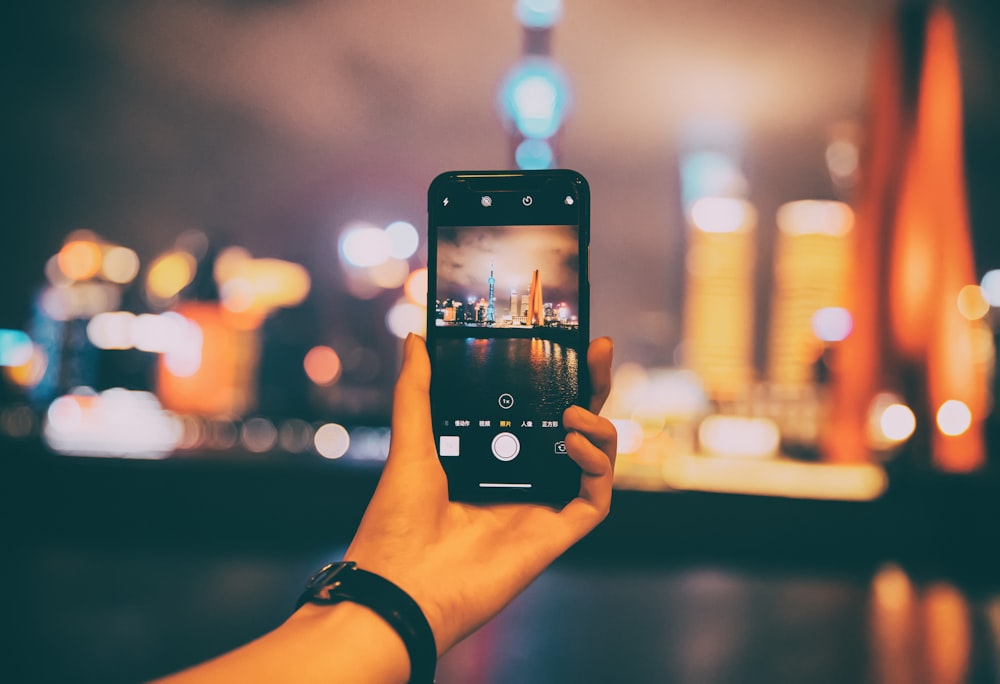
pixel 462 563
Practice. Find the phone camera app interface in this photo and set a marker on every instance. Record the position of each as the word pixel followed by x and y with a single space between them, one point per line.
pixel 507 353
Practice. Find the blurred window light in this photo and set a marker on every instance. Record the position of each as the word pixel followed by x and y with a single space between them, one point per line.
pixel 815 217
pixel 390 274
pixel 953 418
pixel 722 214
pixel 629 436
pixel 405 317
pixel 972 302
pixel 416 287
pixel 332 440
pixel 258 435
pixel 738 436
pixel 15 348
pixel 535 97
pixel 991 287
pixel 534 154
pixel 80 259
pixel 404 237
pixel 120 265
pixel 832 324
pixel 111 330
pixel 322 365
pixel 169 274
pixel 538 14
pixel 117 422
pixel 364 245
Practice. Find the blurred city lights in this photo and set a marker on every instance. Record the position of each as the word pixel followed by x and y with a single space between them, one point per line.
pixel 710 174
pixel 533 154
pixel 538 14
pixel 332 440
pixel 17 421
pixel 364 245
pixel 897 422
pixel 258 435
pixel 534 96
pixel 815 217
pixel 111 330
pixel 721 214
pixel 80 259
pixel 737 436
pixel 295 436
pixel 404 238
pixel 832 324
pixel 31 372
pixel 54 273
pixel 322 365
pixel 953 418
pixel 842 158
pixel 405 317
pixel 79 300
pixel 629 436
pixel 15 348
pixel 991 287
pixel 369 444
pixel 120 265
pixel 972 302
pixel 776 477
pixel 390 274
pixel 416 287
pixel 169 274
pixel 117 422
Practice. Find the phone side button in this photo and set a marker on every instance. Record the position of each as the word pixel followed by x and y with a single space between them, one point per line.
pixel 506 446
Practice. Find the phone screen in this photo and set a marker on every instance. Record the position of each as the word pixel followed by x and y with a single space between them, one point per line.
pixel 508 300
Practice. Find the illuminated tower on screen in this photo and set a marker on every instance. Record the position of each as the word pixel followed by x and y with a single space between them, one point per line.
pixel 491 311
pixel 536 309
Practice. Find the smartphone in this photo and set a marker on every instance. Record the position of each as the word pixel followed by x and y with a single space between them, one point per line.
pixel 508 303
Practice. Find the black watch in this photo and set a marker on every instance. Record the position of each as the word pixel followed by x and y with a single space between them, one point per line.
pixel 345 581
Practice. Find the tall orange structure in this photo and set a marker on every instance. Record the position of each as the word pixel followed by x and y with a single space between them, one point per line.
pixel 536 310
pixel 913 253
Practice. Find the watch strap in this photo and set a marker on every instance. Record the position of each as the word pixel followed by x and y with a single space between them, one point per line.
pixel 345 581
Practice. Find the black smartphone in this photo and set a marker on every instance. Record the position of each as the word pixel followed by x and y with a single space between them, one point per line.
pixel 507 329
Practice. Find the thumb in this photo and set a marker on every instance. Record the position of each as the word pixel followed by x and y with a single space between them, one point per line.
pixel 412 435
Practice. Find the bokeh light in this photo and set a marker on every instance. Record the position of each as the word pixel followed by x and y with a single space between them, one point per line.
pixel 721 214
pixel 815 217
pixel 897 422
pixel 15 348
pixel 111 330
pixel 972 302
pixel 629 435
pixel 332 440
pixel 737 436
pixel 120 265
pixel 364 245
pixel 80 259
pixel 535 97
pixel 295 436
pixel 991 287
pixel 534 154
pixel 832 324
pixel 953 418
pixel 390 274
pixel 322 365
pixel 405 317
pixel 538 14
pixel 258 435
pixel 404 237
pixel 416 287
pixel 170 274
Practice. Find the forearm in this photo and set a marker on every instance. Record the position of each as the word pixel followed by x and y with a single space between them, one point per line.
pixel 340 643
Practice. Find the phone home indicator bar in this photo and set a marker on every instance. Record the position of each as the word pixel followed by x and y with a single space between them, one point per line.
pixel 504 485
